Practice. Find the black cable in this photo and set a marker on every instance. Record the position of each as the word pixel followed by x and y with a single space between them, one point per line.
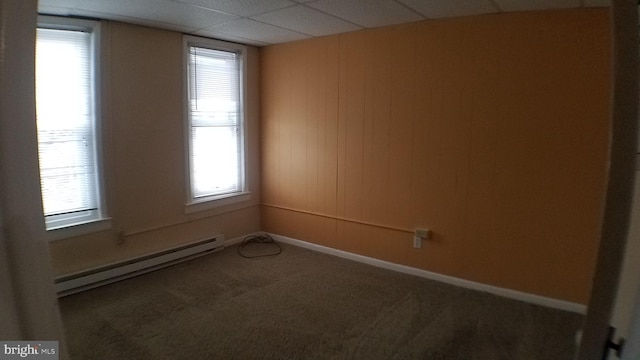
pixel 258 239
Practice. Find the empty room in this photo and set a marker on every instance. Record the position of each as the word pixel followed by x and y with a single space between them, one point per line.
pixel 366 179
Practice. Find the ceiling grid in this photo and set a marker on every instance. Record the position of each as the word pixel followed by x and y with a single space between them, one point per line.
pixel 266 22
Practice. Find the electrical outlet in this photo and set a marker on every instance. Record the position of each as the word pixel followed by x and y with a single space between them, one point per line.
pixel 417 242
pixel 419 235
pixel 424 234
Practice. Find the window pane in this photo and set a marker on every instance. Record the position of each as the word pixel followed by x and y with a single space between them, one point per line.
pixel 65 121
pixel 66 170
pixel 214 85
pixel 215 122
pixel 215 160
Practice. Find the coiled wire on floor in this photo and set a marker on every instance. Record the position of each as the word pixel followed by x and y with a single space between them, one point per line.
pixel 263 241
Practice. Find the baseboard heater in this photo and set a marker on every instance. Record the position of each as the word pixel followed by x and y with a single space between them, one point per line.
pixel 107 274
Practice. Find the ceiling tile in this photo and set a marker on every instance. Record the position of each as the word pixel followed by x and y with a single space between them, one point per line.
pixel 275 21
pixel 70 4
pixel 257 31
pixel 241 7
pixel 368 13
pixel 447 8
pixel 307 21
pixel 161 11
pixel 597 3
pixel 54 10
pixel 57 7
pixel 134 20
pixel 227 37
pixel 526 5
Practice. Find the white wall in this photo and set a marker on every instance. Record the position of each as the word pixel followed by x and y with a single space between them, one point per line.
pixel 630 279
pixel 28 302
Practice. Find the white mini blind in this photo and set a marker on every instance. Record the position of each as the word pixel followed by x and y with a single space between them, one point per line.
pixel 215 121
pixel 66 127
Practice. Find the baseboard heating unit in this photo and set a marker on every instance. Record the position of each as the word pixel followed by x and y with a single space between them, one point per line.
pixel 110 273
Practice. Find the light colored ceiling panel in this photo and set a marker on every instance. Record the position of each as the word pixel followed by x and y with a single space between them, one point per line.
pixel 227 37
pixel 527 5
pixel 261 22
pixel 241 7
pixel 257 31
pixel 134 20
pixel 162 11
pixel 70 4
pixel 57 7
pixel 55 10
pixel 368 13
pixel 307 21
pixel 446 8
pixel 597 3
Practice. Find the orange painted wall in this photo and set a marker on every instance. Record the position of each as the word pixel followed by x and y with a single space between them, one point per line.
pixel 491 131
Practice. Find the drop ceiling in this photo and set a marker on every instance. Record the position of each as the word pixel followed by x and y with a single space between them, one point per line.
pixel 265 22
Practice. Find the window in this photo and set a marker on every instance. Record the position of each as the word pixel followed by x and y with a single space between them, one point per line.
pixel 215 126
pixel 67 122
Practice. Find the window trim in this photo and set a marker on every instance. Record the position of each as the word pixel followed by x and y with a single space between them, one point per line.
pixel 209 202
pixel 102 222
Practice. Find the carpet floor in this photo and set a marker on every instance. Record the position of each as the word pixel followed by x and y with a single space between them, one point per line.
pixel 305 305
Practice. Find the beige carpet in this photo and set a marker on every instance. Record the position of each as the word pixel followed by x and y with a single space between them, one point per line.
pixel 305 305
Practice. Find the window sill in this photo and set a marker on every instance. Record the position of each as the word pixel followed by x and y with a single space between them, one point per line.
pixel 78 229
pixel 216 201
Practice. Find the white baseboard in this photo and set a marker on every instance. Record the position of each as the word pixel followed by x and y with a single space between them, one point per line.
pixel 507 293
pixel 124 269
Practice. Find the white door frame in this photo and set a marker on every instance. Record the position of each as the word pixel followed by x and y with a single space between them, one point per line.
pixel 626 310
pixel 631 350
pixel 620 181
pixel 28 294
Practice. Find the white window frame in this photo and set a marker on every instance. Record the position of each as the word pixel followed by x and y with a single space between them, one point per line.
pixel 70 227
pixel 194 204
